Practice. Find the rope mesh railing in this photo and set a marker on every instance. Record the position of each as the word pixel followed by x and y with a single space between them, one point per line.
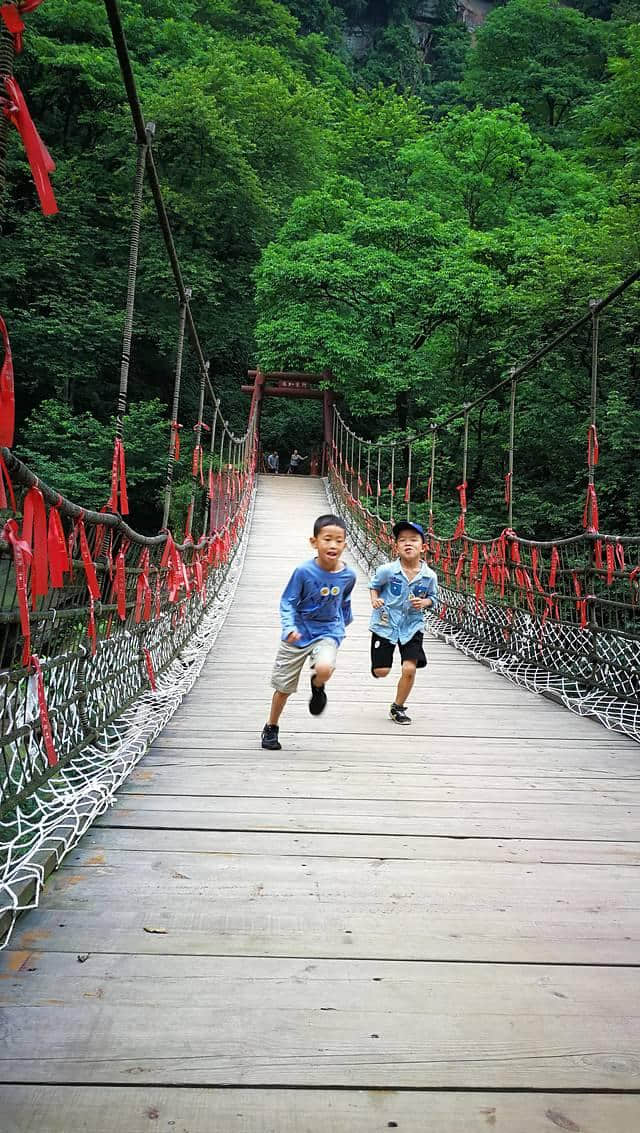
pixel 556 616
pixel 102 629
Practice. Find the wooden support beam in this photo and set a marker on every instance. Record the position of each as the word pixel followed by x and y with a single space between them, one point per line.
pixel 287 391
pixel 291 375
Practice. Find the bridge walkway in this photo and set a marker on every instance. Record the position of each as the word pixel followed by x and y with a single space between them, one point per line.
pixel 428 929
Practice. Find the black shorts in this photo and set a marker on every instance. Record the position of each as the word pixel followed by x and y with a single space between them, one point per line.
pixel 382 651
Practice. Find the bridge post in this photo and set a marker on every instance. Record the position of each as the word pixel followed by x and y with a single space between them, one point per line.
pixel 328 398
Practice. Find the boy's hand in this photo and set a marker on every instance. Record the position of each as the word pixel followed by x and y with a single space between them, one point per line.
pixel 377 603
pixel 420 603
pixel 293 637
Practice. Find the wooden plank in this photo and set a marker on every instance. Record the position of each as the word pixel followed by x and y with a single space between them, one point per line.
pixel 375 816
pixel 326 782
pixel 59 1109
pixel 394 909
pixel 286 1022
pixel 95 847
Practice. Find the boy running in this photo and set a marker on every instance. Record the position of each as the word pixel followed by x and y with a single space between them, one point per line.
pixel 400 593
pixel 315 608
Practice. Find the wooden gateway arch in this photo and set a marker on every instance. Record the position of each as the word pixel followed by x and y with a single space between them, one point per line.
pixel 294 383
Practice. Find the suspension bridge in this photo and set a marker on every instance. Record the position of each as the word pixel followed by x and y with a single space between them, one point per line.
pixel 374 928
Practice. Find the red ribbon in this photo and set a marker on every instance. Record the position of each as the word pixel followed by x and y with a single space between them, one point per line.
pixel 175 427
pixel 507 489
pixel 581 603
pixel 6 487
pixel 590 518
pixel 407 491
pixel 473 568
pixel 57 549
pixel 34 533
pixel 462 492
pixel 553 568
pixel 7 392
pixel 143 589
pixel 593 449
pixel 150 673
pixel 118 480
pixel 90 571
pixel 534 568
pixel 121 586
pixel 13 23
pixel 45 723
pixel 21 557
pixel 15 109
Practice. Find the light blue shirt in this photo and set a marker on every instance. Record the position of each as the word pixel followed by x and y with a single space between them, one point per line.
pixel 397 620
pixel 317 603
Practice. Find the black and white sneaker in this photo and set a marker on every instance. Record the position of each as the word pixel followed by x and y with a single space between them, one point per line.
pixel 399 714
pixel 318 701
pixel 270 739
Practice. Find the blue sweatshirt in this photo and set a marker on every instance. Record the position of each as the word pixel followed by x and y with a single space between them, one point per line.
pixel 317 603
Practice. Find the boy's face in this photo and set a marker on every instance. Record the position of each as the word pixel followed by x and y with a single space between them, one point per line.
pixel 329 544
pixel 410 546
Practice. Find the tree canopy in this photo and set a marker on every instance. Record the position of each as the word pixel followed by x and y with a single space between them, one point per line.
pixel 417 216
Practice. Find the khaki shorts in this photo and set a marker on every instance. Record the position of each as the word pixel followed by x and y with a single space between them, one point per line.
pixel 290 660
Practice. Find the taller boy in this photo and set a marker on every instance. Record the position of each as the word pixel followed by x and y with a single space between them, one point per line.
pixel 315 609
pixel 400 593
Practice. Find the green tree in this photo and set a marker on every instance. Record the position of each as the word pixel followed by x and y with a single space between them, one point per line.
pixel 546 57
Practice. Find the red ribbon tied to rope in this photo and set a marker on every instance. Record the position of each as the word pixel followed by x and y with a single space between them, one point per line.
pixel 590 518
pixel 143 589
pixel 507 488
pixel 57 549
pixel 35 535
pixel 15 109
pixel 11 15
pixel 593 449
pixel 21 558
pixel 175 428
pixel 118 480
pixel 14 24
pixel 150 671
pixel 45 723
pixel 7 393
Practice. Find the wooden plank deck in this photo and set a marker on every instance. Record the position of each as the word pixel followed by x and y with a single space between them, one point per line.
pixel 433 929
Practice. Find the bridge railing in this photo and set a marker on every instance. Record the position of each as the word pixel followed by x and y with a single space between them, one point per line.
pixel 560 616
pixel 103 629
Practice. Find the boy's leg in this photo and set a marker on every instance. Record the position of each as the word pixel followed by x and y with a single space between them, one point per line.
pixel 323 664
pixel 278 701
pixel 286 673
pixel 413 657
pixel 406 683
pixel 381 656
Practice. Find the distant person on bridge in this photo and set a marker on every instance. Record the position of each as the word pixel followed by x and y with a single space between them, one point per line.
pixel 295 460
pixel 315 610
pixel 400 592
pixel 273 462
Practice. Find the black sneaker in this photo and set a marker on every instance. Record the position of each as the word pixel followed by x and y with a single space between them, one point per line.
pixel 398 714
pixel 318 701
pixel 270 738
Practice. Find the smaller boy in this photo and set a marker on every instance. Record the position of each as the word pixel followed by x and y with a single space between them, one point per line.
pixel 400 593
pixel 315 608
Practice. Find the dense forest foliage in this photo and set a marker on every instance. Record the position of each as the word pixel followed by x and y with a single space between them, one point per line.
pixel 417 216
